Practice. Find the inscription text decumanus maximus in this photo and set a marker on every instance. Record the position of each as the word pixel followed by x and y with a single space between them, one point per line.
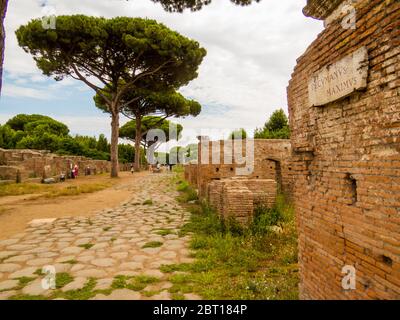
pixel 340 79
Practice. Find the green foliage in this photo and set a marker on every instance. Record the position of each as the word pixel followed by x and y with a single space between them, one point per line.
pixel 44 133
pixel 194 5
pixel 62 279
pixel 152 244
pixel 188 192
pixel 238 134
pixel 136 283
pixel 128 130
pixel 277 127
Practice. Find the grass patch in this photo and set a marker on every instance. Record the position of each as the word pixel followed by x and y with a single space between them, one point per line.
pixel 164 232
pixel 73 261
pixel 169 268
pixel 50 191
pixel 106 229
pixel 82 294
pixel 76 190
pixel 152 244
pixel 136 283
pixel 147 202
pixel 23 281
pixel 17 189
pixel 240 263
pixel 39 272
pixel 86 246
pixel 177 296
pixel 62 279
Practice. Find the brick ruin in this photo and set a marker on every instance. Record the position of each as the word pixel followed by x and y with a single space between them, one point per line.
pixel 344 106
pixel 237 176
pixel 34 165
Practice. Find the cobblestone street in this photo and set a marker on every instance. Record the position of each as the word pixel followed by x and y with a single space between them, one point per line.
pixel 130 241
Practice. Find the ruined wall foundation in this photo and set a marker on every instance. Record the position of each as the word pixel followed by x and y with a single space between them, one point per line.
pixel 34 165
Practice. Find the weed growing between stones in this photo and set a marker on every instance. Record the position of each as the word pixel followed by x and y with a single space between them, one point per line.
pixel 135 283
pixel 86 246
pixel 148 202
pixel 152 244
pixel 62 279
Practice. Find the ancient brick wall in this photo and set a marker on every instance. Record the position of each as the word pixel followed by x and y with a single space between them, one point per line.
pixel 39 164
pixel 191 173
pixel 347 161
pixel 238 196
pixel 271 160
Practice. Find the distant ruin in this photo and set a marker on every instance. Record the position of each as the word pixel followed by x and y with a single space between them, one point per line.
pixel 23 165
pixel 236 176
pixel 344 107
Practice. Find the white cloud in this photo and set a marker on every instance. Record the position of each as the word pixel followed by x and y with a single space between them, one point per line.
pixel 11 90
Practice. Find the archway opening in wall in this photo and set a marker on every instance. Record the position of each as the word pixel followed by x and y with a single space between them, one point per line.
pixel 278 173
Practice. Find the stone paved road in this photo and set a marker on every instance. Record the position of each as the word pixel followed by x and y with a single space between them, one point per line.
pixel 110 243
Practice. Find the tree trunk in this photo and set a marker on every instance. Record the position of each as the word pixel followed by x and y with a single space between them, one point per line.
pixel 138 138
pixel 114 143
pixel 3 10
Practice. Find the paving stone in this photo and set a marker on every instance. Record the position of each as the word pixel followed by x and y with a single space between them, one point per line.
pixel 62 267
pixel 168 254
pixel 95 273
pixel 7 294
pixel 128 273
pixel 100 246
pixel 8 284
pixel 7 242
pixel 82 241
pixel 192 296
pixel 119 255
pixel 47 255
pixel 104 283
pixel 35 288
pixel 72 250
pixel 131 265
pixel 153 273
pixel 26 272
pixel 78 283
pixel 39 262
pixel 8 253
pixel 65 258
pixel 106 262
pixel 19 258
pixel 151 251
pixel 20 247
pixel 164 295
pixel 9 267
pixel 77 267
pixel 85 258
pixel 120 294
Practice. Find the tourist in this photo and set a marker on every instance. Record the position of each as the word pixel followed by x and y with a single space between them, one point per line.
pixel 76 171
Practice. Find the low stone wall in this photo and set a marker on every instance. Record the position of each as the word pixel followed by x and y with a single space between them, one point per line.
pixel 239 197
pixel 31 164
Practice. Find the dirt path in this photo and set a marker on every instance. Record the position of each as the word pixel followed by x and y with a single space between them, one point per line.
pixel 113 254
pixel 17 211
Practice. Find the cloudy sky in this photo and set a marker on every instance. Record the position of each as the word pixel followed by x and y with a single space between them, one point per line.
pixel 251 53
